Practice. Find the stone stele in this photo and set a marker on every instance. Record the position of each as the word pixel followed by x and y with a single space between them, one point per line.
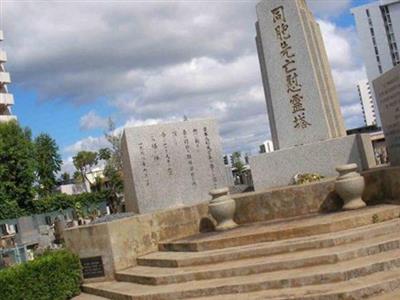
pixel 306 124
pixel 171 165
pixel 301 97
pixel 387 92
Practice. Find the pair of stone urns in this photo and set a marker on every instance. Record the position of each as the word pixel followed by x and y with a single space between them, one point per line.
pixel 349 186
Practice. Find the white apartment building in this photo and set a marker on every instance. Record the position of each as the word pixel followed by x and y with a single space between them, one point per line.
pixel 378 28
pixel 367 102
pixel 266 147
pixel 6 99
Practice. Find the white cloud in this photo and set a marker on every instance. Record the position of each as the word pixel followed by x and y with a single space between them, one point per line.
pixel 329 8
pixel 92 121
pixel 337 44
pixel 68 166
pixel 87 144
pixel 160 61
pixel 347 68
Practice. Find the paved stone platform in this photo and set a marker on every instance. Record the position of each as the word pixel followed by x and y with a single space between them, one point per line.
pixel 84 296
pixel 346 255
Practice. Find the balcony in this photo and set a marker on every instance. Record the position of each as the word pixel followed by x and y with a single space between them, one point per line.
pixel 4 119
pixel 5 77
pixel 6 99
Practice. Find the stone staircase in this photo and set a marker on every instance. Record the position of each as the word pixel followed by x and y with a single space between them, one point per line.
pixel 345 255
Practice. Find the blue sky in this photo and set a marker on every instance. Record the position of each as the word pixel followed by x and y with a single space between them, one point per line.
pixel 79 63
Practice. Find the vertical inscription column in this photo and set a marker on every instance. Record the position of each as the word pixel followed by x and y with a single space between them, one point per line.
pixel 143 164
pixel 166 153
pixel 294 87
pixel 189 158
pixel 210 157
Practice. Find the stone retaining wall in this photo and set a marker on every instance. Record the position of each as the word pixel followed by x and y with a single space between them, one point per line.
pixel 121 241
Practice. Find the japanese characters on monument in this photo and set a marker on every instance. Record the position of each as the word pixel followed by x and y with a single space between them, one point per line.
pixel 156 156
pixel 172 164
pixel 387 91
pixel 210 157
pixel 294 87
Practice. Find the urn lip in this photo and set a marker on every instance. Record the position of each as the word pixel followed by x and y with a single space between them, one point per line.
pixel 347 167
pixel 221 199
pixel 219 192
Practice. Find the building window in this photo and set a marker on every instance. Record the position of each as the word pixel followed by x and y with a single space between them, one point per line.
pixel 389 34
pixel 372 31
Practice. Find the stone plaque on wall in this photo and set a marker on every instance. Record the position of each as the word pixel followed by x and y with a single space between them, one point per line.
pixel 387 92
pixel 92 267
pixel 170 165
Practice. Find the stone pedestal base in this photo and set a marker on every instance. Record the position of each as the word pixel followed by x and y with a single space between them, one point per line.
pixel 278 168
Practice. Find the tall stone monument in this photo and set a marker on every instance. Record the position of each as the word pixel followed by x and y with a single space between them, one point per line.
pixel 299 89
pixel 387 92
pixel 6 99
pixel 306 123
pixel 170 165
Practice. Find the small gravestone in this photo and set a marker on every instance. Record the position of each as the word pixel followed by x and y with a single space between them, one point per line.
pixel 170 165
pixel 387 91
pixel 92 267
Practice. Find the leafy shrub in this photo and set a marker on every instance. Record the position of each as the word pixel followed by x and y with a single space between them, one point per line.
pixel 60 201
pixel 51 203
pixel 54 276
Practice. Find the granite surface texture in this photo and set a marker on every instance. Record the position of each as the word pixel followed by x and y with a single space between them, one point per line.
pixel 301 98
pixel 171 165
pixel 387 91
pixel 279 167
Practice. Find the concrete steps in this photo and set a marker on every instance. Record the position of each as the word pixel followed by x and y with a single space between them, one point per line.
pixel 173 259
pixel 267 231
pixel 342 271
pixel 288 261
pixel 388 296
pixel 377 286
pixel 348 255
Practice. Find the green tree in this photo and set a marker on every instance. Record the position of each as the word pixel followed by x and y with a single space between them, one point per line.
pixel 104 154
pixel 113 168
pixel 65 178
pixel 237 162
pixel 48 162
pixel 17 169
pixel 77 177
pixel 115 140
pixel 84 161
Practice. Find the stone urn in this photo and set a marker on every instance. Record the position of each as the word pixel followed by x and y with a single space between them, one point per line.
pixel 349 186
pixel 222 207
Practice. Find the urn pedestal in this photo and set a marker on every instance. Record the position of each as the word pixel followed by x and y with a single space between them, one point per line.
pixel 350 186
pixel 222 208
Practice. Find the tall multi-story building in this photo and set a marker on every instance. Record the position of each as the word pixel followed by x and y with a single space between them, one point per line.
pixel 378 28
pixel 6 99
pixel 367 102
pixel 266 147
